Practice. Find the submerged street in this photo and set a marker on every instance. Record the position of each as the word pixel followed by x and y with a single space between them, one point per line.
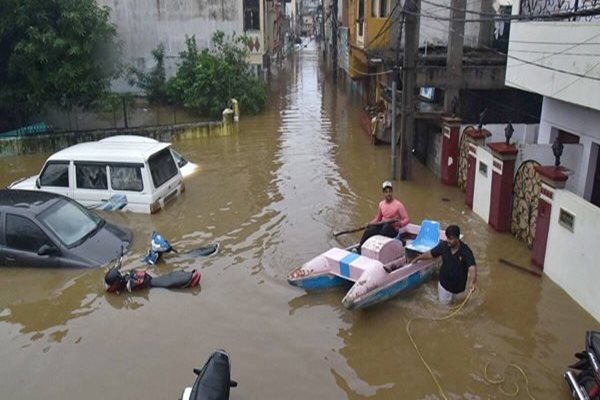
pixel 272 193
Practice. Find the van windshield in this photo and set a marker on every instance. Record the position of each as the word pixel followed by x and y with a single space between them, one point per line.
pixel 70 222
pixel 162 167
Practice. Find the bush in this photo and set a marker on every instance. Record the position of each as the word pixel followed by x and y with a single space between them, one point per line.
pixel 154 83
pixel 206 80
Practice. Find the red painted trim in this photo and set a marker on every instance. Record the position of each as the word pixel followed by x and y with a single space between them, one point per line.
pixel 449 173
pixel 470 190
pixel 476 134
pixel 503 148
pixel 501 197
pixel 547 193
pixel 552 173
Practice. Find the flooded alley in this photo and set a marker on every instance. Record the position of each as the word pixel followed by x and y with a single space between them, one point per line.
pixel 272 193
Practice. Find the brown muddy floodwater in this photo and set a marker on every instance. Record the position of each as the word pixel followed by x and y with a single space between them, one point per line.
pixel 272 193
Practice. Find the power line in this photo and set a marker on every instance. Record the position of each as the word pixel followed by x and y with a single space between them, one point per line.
pixel 534 63
pixel 459 9
pixel 503 18
pixel 553 54
pixel 520 110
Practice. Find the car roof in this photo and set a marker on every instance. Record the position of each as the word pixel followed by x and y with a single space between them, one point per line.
pixel 110 151
pixel 34 200
pixel 128 139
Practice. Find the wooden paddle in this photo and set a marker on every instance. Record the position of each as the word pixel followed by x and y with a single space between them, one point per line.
pixel 360 228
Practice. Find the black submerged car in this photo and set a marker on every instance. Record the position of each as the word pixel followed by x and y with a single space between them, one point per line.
pixel 41 229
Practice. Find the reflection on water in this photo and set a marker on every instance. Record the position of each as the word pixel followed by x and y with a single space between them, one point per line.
pixel 271 193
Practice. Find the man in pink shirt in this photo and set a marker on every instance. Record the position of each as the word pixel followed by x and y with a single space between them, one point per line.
pixel 390 217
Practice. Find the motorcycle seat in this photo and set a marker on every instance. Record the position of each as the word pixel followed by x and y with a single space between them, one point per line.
pixel 176 279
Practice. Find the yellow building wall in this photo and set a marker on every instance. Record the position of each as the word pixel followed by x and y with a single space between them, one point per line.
pixel 373 38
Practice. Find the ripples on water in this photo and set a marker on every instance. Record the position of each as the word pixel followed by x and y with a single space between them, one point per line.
pixel 272 193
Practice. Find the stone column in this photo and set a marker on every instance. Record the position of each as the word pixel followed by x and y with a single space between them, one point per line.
pixel 449 156
pixel 475 138
pixel 503 170
pixel 552 178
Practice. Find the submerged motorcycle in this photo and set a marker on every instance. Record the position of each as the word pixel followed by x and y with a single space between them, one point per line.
pixel 159 246
pixel 116 281
pixel 213 381
pixel 585 384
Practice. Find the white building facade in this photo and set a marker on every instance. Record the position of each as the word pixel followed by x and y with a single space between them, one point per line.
pixel 142 26
pixel 560 60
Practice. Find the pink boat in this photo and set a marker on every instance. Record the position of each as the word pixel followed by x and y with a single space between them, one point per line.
pixel 372 283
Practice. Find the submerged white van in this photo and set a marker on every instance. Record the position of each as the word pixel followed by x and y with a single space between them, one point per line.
pixel 138 177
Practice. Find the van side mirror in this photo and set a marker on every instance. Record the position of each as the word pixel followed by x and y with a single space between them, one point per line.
pixel 37 183
pixel 47 250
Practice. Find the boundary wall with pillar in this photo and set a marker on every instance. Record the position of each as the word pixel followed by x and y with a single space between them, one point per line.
pixel 453 129
pixel 570 259
pixel 491 172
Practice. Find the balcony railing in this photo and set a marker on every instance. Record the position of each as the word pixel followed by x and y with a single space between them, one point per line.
pixel 539 8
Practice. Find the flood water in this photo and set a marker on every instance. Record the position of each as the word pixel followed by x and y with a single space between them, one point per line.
pixel 272 193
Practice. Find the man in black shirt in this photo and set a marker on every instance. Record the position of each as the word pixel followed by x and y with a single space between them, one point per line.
pixel 459 271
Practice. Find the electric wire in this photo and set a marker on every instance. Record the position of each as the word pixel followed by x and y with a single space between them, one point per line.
pixel 504 18
pixel 533 62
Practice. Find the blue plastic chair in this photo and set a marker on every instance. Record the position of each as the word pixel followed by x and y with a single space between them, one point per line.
pixel 428 237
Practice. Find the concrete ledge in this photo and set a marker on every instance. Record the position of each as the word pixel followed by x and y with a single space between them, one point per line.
pixel 57 141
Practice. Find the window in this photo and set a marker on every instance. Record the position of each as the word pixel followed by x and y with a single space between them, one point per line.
pixel 162 167
pixel 70 222
pixel 23 234
pixel 380 8
pixel 55 174
pixel 126 177
pixel 251 15
pixel 383 8
pixel 91 176
pixel 567 138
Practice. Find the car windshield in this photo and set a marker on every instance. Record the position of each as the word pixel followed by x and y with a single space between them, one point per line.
pixel 70 222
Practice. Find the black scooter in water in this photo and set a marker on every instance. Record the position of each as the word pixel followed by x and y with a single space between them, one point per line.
pixel 213 381
pixel 585 384
pixel 117 282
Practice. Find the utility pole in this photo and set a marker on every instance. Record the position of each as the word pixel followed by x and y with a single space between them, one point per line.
pixel 334 51
pixel 323 36
pixel 454 57
pixel 409 81
pixel 395 78
pixel 486 28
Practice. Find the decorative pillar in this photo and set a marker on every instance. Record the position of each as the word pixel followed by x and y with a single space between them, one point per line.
pixel 552 177
pixel 475 138
pixel 503 170
pixel 449 156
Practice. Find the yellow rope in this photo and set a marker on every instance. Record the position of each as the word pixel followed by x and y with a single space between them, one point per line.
pixel 499 381
pixel 452 314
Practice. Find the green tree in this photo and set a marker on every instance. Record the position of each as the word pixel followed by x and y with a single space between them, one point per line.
pixel 206 80
pixel 154 82
pixel 54 51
